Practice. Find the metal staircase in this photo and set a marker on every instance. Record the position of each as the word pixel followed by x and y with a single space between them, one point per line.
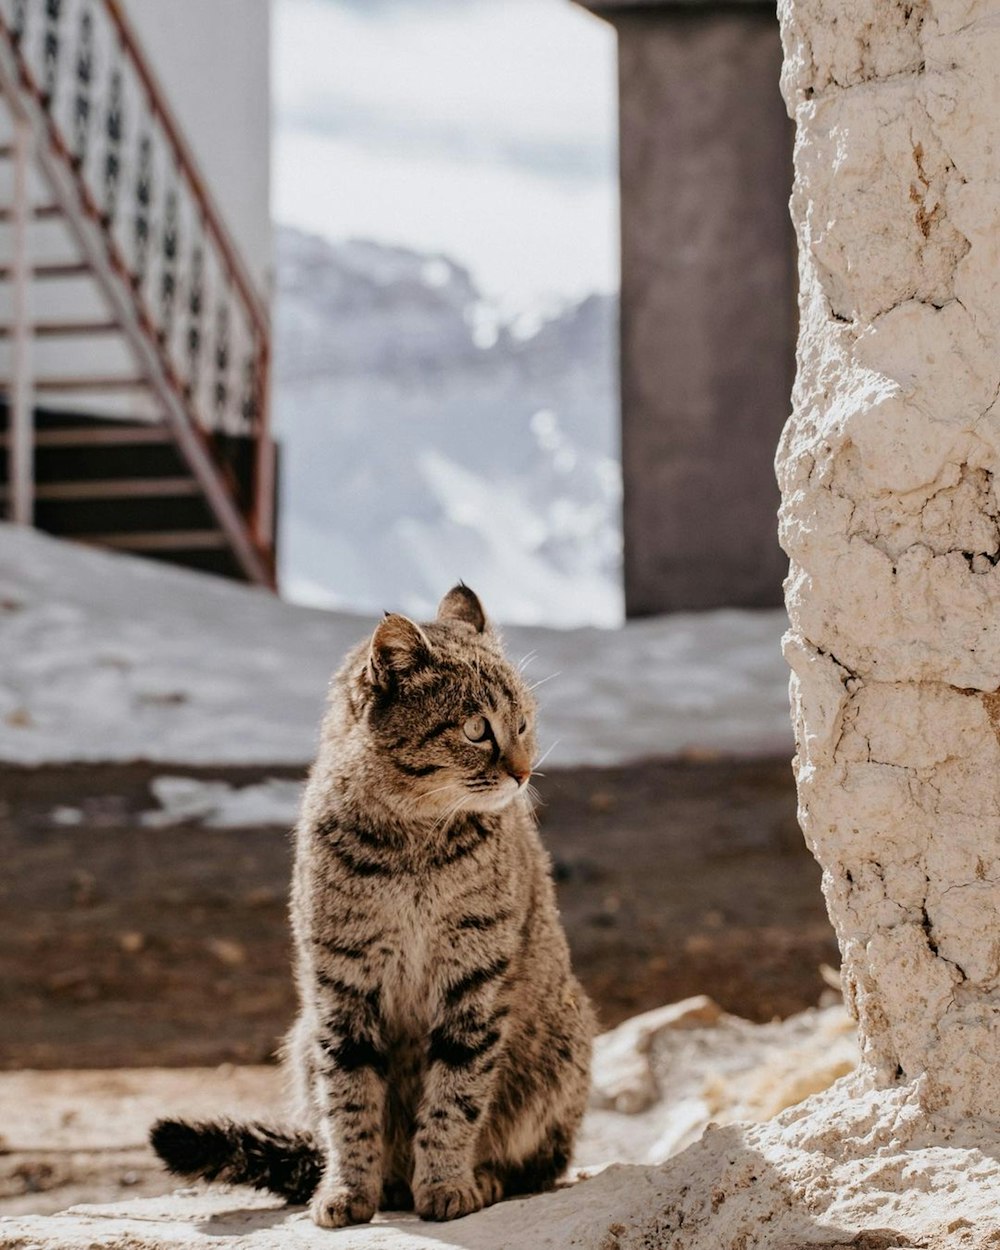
pixel 134 349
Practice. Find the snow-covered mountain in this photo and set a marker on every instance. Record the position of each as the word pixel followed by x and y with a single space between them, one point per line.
pixel 423 440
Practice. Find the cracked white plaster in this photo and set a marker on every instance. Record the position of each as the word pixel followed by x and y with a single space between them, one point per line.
pixel 891 518
pixel 839 51
pixel 879 231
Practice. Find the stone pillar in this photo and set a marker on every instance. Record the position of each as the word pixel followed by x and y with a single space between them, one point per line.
pixel 889 472
pixel 708 301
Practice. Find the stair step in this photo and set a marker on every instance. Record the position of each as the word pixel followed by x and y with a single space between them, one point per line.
pixel 64 329
pixel 76 449
pixel 163 540
pixel 116 488
pixel 63 385
pixel 40 212
pixel 100 436
pixel 66 269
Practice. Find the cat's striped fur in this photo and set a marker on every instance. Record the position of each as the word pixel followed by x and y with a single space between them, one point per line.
pixel 441 1052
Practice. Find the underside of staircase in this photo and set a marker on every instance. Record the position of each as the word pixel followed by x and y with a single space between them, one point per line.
pixel 134 348
pixel 125 485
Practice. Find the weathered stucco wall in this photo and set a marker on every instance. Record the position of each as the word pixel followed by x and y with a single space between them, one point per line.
pixel 888 471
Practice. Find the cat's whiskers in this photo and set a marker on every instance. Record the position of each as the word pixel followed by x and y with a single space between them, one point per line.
pixel 450 785
pixel 545 756
pixel 526 660
pixel 414 805
pixel 451 813
pixel 542 680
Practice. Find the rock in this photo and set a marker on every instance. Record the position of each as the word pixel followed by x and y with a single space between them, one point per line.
pixel 623 1076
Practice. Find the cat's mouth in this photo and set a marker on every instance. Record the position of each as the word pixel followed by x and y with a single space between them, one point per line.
pixel 496 797
pixel 474 796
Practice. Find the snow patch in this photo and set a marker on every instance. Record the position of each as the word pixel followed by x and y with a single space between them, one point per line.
pixel 217 805
pixel 112 658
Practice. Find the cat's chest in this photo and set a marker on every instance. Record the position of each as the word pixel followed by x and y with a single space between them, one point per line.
pixel 409 954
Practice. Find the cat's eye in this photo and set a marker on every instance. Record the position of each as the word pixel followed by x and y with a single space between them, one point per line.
pixel 476 728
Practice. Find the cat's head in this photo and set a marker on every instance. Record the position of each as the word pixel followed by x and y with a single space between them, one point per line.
pixel 450 719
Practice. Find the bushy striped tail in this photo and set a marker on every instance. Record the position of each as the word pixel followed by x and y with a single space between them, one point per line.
pixel 288 1164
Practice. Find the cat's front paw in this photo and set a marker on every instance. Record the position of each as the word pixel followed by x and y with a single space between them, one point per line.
pixel 490 1185
pixel 335 1205
pixel 448 1200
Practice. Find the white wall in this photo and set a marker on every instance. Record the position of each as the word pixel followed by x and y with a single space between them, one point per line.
pixel 213 59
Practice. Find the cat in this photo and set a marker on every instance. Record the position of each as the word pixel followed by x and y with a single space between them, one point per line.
pixel 440 1059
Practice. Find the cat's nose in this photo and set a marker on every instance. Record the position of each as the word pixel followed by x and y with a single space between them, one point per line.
pixel 519 769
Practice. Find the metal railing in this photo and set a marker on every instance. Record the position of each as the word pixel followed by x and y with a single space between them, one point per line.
pixel 109 122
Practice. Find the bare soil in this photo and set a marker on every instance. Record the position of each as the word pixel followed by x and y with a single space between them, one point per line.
pixel 122 946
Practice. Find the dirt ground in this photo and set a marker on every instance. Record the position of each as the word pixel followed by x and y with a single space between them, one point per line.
pixel 128 947
pixel 122 946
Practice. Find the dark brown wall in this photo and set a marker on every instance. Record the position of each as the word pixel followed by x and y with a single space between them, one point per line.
pixel 708 304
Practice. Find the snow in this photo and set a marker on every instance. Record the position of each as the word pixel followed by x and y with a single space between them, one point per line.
pixel 105 657
pixel 218 805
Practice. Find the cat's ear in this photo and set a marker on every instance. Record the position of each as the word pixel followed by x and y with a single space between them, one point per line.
pixel 462 604
pixel 398 646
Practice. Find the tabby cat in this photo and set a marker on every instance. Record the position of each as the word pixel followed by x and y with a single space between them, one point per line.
pixel 441 1054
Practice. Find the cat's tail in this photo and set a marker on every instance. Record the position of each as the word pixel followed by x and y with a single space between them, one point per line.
pixel 287 1163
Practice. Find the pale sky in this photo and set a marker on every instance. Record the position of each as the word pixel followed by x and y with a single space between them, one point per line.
pixel 484 129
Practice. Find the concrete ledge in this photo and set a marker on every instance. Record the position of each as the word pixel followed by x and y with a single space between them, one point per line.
pixel 241 1220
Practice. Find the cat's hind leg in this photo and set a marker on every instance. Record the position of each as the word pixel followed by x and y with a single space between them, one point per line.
pixel 541 1169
